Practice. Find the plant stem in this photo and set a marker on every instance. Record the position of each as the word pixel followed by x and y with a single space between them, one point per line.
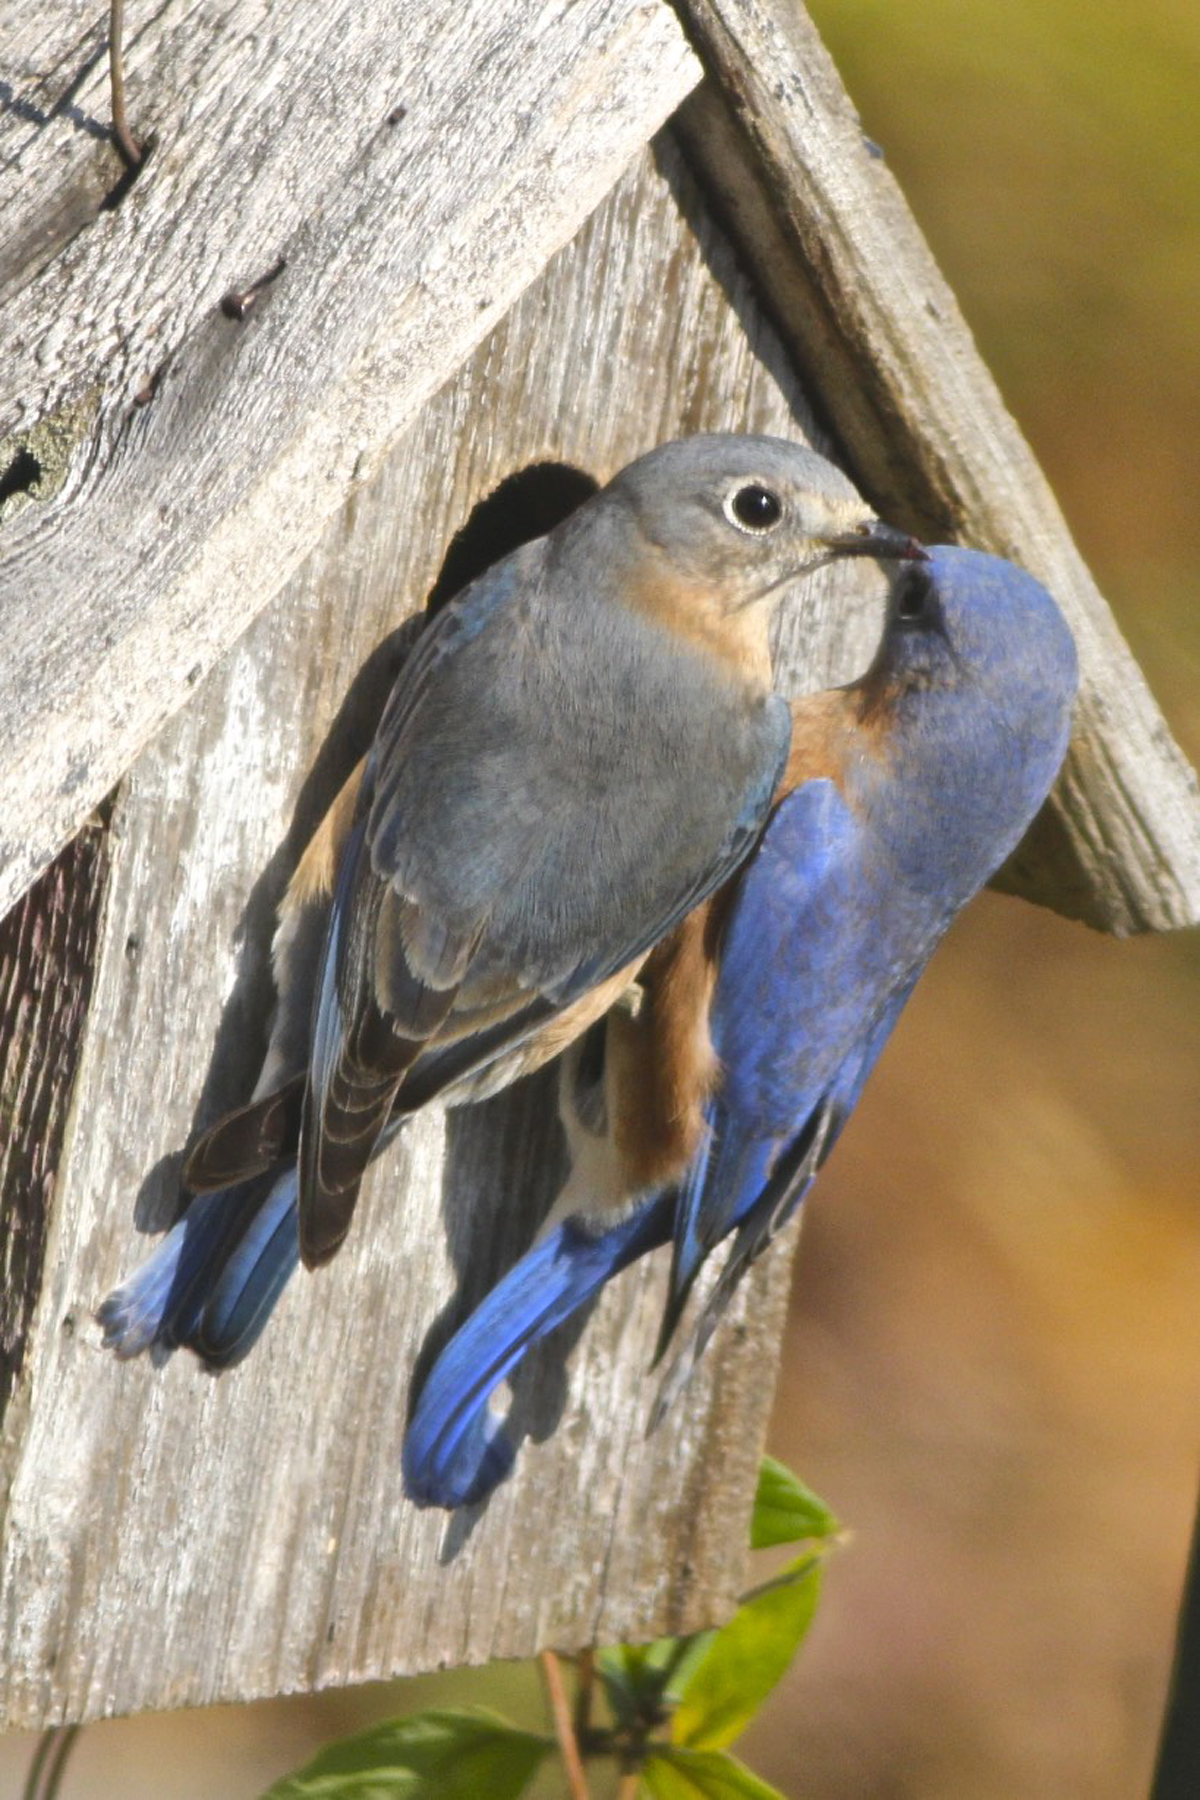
pixel 34 1778
pixel 585 1677
pixel 630 1783
pixel 564 1730
pixel 62 1750
pixel 127 144
pixel 682 1646
pixel 51 1755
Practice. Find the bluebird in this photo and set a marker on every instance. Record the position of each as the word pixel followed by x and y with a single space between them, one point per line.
pixel 703 1120
pixel 581 746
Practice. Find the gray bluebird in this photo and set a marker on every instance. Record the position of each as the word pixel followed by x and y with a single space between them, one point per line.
pixel 580 748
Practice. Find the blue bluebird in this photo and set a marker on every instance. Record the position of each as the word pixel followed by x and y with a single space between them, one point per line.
pixel 580 747
pixel 705 1118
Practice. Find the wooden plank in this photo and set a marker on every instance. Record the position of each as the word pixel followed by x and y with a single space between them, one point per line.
pixel 171 1538
pixel 862 307
pixel 163 467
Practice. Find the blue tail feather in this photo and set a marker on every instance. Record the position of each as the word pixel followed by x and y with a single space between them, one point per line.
pixel 214 1280
pixel 456 1450
pixel 248 1288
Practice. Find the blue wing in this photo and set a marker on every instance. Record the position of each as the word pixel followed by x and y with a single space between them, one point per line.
pixel 776 1028
pixel 820 955
pixel 771 1180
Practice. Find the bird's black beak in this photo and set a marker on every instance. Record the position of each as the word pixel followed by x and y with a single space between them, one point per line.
pixel 874 538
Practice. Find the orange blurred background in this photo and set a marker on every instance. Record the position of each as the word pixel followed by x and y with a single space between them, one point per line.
pixel 993 1362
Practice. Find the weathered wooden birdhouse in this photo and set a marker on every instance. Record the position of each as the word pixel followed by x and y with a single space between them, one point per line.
pixel 376 263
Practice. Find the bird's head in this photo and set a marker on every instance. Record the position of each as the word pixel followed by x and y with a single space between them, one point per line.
pixel 971 694
pixel 734 519
pixel 963 618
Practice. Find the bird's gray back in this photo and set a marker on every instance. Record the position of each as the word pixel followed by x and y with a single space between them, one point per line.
pixel 570 764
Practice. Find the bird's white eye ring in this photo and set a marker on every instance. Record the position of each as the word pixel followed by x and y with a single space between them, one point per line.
pixel 753 507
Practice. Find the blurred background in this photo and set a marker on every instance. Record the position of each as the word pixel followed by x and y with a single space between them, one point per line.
pixel 993 1365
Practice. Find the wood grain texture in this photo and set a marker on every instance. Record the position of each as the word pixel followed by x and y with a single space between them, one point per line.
pixel 167 467
pixel 862 307
pixel 173 1538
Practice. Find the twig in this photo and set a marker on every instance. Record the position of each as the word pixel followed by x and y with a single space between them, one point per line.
pixel 51 1755
pixel 585 1683
pixel 127 144
pixel 669 1669
pixel 564 1730
pixel 1177 1750
pixel 34 1778
pixel 63 1749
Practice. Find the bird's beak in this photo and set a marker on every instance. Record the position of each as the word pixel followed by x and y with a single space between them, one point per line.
pixel 873 538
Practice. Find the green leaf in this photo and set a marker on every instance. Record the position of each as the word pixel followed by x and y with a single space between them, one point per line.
pixel 746 1658
pixel 691 1651
pixel 442 1755
pixel 673 1774
pixel 785 1511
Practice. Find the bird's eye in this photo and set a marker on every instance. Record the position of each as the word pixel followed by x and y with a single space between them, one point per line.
pixel 912 597
pixel 753 507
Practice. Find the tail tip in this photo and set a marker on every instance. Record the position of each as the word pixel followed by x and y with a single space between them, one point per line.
pixel 464 1476
pixel 127 1327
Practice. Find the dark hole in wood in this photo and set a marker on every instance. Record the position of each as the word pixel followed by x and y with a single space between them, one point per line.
pixel 525 506
pixel 47 962
pixel 21 476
